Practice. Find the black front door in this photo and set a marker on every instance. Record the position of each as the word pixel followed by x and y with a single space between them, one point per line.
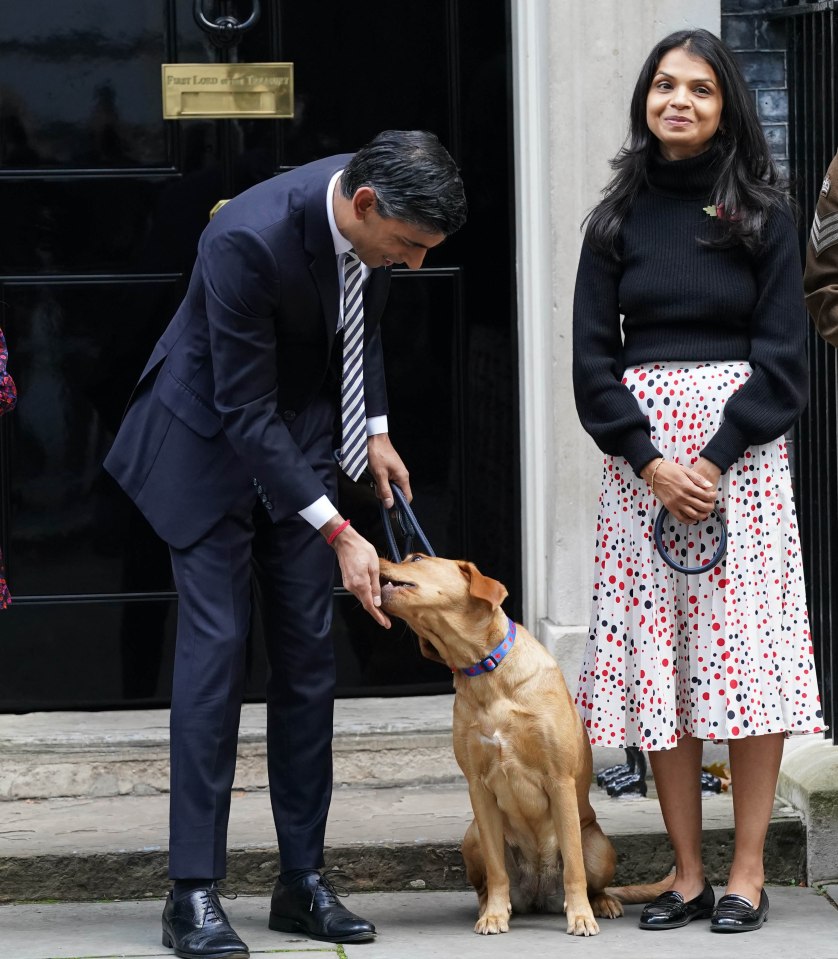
pixel 103 202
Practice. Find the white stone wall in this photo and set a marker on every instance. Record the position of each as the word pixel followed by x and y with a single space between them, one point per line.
pixel 575 65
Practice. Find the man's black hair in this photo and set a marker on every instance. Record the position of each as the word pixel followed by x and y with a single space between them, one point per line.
pixel 414 178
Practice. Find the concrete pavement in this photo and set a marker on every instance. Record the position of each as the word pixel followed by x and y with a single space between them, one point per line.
pixel 422 925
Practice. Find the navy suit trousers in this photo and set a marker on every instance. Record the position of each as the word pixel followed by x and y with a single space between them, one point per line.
pixel 295 570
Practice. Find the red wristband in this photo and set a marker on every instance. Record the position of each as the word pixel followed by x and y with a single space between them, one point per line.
pixel 337 531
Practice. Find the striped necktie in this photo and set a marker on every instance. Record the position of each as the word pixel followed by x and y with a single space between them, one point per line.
pixel 353 450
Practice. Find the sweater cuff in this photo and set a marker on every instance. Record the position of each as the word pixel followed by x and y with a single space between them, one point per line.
pixel 728 444
pixel 639 450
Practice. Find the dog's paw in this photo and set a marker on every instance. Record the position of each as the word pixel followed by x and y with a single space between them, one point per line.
pixel 582 924
pixel 493 918
pixel 491 924
pixel 606 907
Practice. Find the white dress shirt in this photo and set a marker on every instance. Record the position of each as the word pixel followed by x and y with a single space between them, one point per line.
pixel 322 510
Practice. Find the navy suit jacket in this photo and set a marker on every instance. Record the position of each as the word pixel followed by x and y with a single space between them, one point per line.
pixel 247 351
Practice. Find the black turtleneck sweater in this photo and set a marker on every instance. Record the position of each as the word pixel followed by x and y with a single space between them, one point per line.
pixel 682 300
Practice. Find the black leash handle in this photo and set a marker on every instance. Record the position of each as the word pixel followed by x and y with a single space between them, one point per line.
pixel 714 560
pixel 409 525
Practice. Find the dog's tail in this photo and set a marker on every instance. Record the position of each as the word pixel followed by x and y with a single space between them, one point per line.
pixel 641 892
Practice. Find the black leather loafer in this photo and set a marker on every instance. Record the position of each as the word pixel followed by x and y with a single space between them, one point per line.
pixel 311 906
pixel 196 927
pixel 671 911
pixel 737 914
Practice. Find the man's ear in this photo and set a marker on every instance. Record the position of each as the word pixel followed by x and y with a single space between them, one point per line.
pixel 483 587
pixel 364 201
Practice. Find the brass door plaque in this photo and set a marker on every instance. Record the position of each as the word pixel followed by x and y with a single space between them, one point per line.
pixel 228 90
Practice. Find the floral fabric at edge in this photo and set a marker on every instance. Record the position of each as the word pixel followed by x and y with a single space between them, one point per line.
pixel 8 398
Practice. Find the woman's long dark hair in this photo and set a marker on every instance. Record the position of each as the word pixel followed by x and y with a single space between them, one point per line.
pixel 748 184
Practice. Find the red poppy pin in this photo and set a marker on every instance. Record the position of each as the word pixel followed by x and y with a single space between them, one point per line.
pixel 718 211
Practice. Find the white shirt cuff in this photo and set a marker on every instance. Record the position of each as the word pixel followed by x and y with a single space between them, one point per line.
pixel 319 513
pixel 376 425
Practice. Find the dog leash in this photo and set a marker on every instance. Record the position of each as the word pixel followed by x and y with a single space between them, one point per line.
pixel 401 514
pixel 714 560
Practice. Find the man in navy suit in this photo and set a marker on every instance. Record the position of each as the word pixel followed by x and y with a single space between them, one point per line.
pixel 227 448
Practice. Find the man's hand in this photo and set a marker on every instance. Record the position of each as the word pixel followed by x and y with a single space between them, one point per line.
pixel 386 466
pixel 358 567
pixel 688 494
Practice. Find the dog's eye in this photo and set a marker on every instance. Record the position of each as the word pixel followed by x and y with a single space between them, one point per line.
pixel 415 559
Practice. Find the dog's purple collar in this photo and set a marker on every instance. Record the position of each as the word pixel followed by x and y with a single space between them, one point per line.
pixel 493 660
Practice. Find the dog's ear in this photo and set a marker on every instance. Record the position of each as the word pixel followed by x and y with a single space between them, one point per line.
pixel 483 587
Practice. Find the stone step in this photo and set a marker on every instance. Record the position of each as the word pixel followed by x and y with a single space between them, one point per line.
pixel 85 814
pixel 378 742
pixel 385 839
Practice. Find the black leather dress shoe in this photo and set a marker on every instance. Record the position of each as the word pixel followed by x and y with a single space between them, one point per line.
pixel 737 914
pixel 196 928
pixel 671 911
pixel 311 906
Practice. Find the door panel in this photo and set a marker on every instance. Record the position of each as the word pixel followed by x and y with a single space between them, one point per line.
pixel 106 202
pixel 392 68
pixel 81 86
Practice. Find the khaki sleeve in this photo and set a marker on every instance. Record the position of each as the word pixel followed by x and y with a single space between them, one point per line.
pixel 820 279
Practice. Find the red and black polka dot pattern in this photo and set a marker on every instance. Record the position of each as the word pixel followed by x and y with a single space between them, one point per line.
pixel 721 655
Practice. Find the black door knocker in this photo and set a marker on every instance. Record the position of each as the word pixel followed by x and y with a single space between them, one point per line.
pixel 225 30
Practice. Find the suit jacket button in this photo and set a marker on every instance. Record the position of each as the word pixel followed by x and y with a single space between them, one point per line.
pixel 268 504
pixel 289 416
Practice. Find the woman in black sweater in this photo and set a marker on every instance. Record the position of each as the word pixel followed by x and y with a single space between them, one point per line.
pixel 689 396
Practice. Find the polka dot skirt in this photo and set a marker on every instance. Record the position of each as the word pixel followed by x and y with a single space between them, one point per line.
pixel 717 655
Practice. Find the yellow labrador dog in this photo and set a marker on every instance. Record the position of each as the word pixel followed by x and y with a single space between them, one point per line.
pixel 534 844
